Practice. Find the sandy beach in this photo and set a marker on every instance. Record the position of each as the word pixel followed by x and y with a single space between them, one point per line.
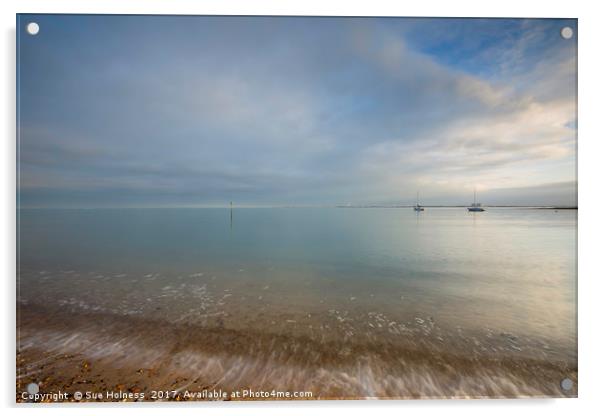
pixel 132 359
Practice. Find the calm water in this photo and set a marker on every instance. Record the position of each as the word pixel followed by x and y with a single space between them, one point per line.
pixel 496 283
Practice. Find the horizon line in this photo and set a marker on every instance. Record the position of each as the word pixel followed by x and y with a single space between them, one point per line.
pixel 304 206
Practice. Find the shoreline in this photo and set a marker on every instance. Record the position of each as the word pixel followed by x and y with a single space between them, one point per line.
pixel 101 352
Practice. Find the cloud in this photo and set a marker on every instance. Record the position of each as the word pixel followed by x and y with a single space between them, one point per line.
pixel 290 110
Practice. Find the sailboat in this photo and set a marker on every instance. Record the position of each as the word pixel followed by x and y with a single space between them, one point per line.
pixel 418 207
pixel 475 207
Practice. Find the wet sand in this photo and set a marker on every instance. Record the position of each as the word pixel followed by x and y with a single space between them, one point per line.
pixel 134 356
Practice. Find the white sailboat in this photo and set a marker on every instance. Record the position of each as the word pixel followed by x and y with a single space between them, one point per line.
pixel 475 207
pixel 418 207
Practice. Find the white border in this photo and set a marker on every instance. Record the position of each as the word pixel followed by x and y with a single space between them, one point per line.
pixel 590 152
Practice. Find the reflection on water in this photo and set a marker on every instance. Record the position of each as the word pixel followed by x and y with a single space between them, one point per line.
pixel 345 302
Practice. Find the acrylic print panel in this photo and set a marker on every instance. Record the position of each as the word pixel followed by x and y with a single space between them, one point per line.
pixel 294 208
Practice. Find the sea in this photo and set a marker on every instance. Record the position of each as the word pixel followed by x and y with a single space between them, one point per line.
pixel 343 303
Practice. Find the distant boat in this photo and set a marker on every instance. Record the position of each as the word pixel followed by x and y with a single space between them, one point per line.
pixel 418 207
pixel 475 207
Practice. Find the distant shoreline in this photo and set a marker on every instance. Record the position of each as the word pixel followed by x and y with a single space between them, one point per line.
pixel 456 206
pixel 298 206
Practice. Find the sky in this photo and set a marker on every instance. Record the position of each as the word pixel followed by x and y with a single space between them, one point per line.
pixel 162 111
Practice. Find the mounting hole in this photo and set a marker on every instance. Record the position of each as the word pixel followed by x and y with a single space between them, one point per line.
pixel 33 28
pixel 566 32
pixel 566 384
pixel 33 388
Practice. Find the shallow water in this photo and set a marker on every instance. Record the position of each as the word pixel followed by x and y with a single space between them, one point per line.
pixel 346 294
